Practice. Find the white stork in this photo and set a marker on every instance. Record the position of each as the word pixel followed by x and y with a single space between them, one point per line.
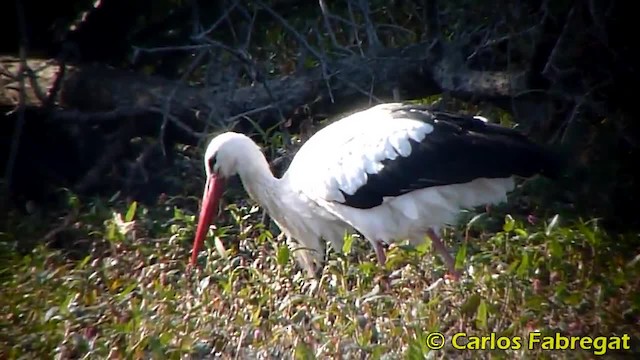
pixel 392 172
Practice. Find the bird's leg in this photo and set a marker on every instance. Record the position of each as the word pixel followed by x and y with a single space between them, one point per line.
pixel 382 258
pixel 442 250
pixel 382 280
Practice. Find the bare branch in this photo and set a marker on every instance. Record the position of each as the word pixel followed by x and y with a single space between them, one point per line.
pixel 217 23
pixel 598 19
pixel 489 41
pixel 247 41
pixel 302 40
pixel 78 116
pixel 432 19
pixel 103 93
pixel 347 22
pixel 175 120
pixel 368 94
pixel 195 18
pixel 55 89
pixel 137 49
pixel 66 223
pixel 550 68
pixel 117 146
pixel 374 41
pixel 167 107
pixel 249 112
pixel 291 29
pixel 325 17
pixel 396 27
pixel 356 29
pixel 22 71
pixel 239 54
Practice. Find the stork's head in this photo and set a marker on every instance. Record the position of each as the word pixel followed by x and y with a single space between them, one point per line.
pixel 223 153
pixel 221 161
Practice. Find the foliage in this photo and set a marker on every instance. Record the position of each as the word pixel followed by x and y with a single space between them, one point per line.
pixel 112 279
pixel 132 295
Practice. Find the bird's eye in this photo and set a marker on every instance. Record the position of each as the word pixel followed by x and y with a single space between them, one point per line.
pixel 212 163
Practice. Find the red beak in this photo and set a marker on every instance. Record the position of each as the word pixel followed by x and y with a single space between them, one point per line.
pixel 212 193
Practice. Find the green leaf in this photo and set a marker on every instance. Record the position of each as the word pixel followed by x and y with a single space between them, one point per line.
pixel 555 249
pixel 481 315
pixel 513 266
pixel 82 263
pixel 303 352
pixel 283 255
pixel 414 351
pixel 178 214
pixel 366 268
pixel 475 219
pixel 346 246
pixel 114 197
pixel 535 302
pixel 461 256
pixel 521 232
pixel 72 200
pixel 50 313
pixel 220 247
pixel 470 306
pixel 112 234
pixel 523 269
pixel 131 212
pixel 589 234
pixel 573 299
pixel 509 223
pixel 552 225
pixel 121 296
pixel 156 346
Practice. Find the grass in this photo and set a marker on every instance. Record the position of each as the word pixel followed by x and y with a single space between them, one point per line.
pixel 120 287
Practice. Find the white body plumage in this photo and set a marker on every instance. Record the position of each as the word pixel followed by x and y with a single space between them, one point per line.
pixel 377 171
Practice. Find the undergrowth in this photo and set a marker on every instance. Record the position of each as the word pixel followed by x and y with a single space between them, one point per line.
pixel 109 278
pixel 130 294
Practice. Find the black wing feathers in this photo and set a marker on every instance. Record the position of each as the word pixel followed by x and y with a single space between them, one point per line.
pixel 460 149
